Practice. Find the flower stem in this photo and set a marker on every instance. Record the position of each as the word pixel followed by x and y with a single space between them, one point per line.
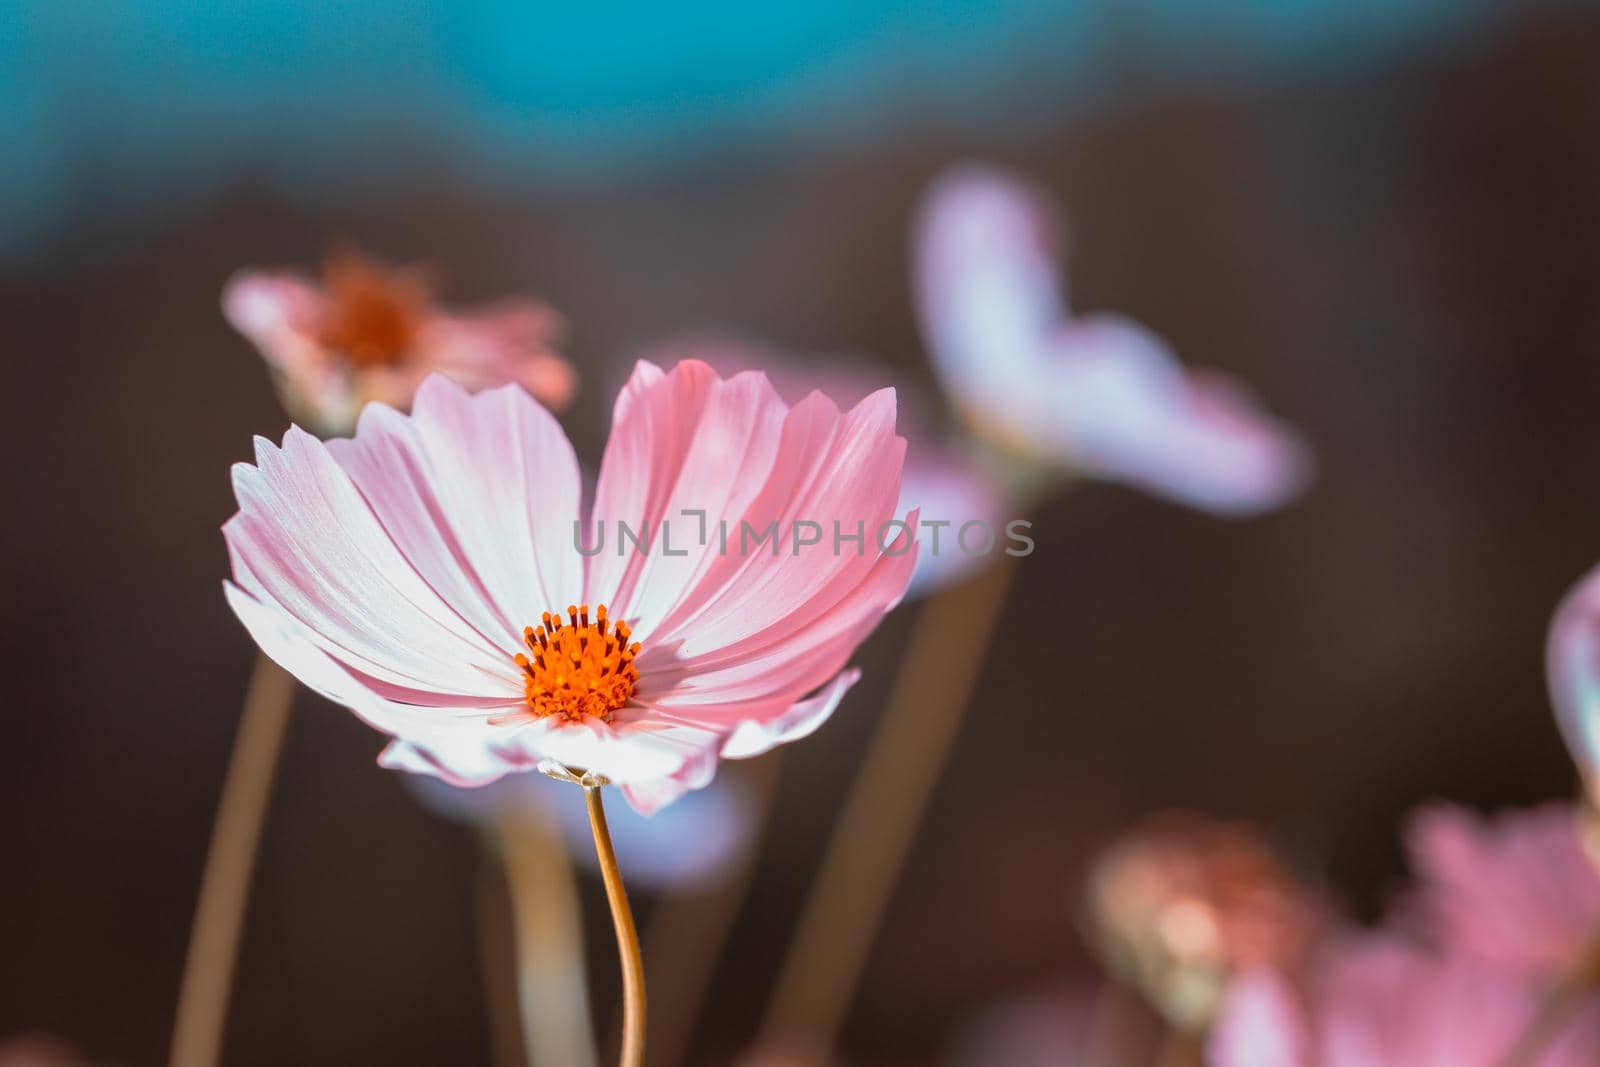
pixel 497 955
pixel 230 860
pixel 552 987
pixel 875 830
pixel 633 1006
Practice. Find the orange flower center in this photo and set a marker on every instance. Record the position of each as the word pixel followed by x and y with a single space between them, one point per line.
pixel 373 312
pixel 576 668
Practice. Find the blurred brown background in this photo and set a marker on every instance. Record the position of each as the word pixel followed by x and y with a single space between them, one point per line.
pixel 1405 262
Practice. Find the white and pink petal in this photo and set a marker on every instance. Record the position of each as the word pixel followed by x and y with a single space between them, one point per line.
pixel 1114 402
pixel 306 540
pixel 988 286
pixel 481 492
pixel 1572 661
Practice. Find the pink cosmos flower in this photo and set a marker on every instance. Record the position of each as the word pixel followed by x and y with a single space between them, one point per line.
pixel 939 481
pixel 1572 664
pixel 1517 890
pixel 427 574
pixel 1097 393
pixel 1381 1003
pixel 368 332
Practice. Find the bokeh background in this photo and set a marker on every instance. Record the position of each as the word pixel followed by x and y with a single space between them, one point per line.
pixel 1384 215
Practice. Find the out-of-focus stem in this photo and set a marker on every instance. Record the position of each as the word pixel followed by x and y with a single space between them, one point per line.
pixel 880 817
pixel 552 984
pixel 688 932
pixel 633 1002
pixel 230 861
pixel 497 954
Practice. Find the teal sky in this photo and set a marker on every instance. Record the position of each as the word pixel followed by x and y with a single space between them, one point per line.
pixel 123 103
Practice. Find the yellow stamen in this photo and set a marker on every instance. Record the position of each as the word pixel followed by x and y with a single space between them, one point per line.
pixel 576 668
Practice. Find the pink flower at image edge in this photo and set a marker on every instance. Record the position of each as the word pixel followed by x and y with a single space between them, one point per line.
pixel 1572 662
pixel 1517 889
pixel 1380 1001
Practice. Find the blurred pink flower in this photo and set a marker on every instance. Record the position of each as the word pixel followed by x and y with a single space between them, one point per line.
pixel 1381 1003
pixel 368 332
pixel 1572 661
pixel 1096 393
pixel 1517 890
pixel 1183 903
pixel 938 480
pixel 419 574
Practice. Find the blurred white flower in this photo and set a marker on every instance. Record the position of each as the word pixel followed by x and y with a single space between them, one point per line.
pixel 1098 393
